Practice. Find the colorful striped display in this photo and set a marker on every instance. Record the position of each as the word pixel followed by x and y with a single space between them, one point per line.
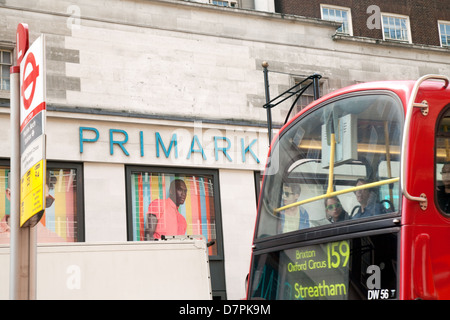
pixel 4 202
pixel 198 208
pixel 60 218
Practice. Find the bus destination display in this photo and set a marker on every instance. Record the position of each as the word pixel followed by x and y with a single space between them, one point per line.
pixel 358 268
pixel 318 271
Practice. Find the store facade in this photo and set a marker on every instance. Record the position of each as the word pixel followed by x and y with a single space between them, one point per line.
pixel 142 93
pixel 105 172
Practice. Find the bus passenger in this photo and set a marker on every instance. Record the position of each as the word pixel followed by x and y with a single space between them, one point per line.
pixel 367 199
pixel 334 210
pixel 294 218
pixel 443 192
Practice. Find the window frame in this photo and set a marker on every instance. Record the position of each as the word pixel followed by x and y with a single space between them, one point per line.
pixel 224 3
pixel 396 16
pixel 81 232
pixel 10 64
pixel 79 192
pixel 369 224
pixel 129 169
pixel 445 23
pixel 444 111
pixel 349 17
pixel 308 94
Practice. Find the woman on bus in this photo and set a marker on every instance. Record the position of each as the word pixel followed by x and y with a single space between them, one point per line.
pixel 334 210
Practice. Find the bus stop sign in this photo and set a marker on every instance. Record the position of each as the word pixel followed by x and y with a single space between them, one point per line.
pixel 32 134
pixel 22 42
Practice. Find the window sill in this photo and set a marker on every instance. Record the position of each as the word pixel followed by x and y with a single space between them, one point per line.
pixel 343 37
pixel 5 94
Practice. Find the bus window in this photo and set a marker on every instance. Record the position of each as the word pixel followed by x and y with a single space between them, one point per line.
pixel 388 198
pixel 351 269
pixel 363 132
pixel 443 163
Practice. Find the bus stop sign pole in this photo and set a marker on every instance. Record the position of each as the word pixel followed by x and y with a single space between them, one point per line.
pixel 22 240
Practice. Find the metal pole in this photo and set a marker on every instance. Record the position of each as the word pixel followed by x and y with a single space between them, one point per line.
pixel 14 185
pixel 316 86
pixel 22 240
pixel 265 64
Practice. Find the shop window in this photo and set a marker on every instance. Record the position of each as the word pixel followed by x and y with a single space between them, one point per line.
pixel 163 204
pixel 63 217
pixel 4 204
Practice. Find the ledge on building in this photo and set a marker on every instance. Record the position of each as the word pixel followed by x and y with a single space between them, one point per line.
pixel 345 37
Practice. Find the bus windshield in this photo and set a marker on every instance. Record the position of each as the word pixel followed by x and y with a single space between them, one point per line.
pixel 303 189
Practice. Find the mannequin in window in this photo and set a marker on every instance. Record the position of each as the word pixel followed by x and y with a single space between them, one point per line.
pixel 163 216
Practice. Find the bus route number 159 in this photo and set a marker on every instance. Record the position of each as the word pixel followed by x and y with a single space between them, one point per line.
pixel 338 254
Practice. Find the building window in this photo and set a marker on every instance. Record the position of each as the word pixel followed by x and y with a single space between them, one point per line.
pixel 164 202
pixel 224 3
pixel 396 28
pixel 308 96
pixel 338 14
pixel 444 33
pixel 5 65
pixel 63 217
pixel 299 102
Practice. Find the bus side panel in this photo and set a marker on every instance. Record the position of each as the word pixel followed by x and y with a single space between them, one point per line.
pixel 425 263
pixel 405 269
pixel 425 255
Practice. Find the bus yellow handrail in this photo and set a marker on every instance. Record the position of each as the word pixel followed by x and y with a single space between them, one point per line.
pixel 336 193
pixel 331 168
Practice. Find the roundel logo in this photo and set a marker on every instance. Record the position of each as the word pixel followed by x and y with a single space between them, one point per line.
pixel 29 80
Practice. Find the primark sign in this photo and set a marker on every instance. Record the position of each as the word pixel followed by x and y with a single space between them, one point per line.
pixel 199 146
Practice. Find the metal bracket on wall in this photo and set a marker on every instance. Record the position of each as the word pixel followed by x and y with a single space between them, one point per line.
pixel 298 90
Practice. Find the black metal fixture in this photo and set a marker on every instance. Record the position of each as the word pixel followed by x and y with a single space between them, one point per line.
pixel 298 89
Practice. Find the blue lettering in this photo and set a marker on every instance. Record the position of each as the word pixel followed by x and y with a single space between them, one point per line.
pixel 83 140
pixel 173 143
pixel 191 150
pixel 120 138
pixel 141 142
pixel 224 150
pixel 112 142
pixel 248 149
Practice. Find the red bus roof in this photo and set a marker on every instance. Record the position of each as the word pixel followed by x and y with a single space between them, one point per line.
pixel 401 88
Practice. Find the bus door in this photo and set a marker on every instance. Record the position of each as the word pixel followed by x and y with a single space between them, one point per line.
pixel 330 229
pixel 426 209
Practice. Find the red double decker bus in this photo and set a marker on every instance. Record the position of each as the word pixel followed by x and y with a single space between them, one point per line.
pixel 355 200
